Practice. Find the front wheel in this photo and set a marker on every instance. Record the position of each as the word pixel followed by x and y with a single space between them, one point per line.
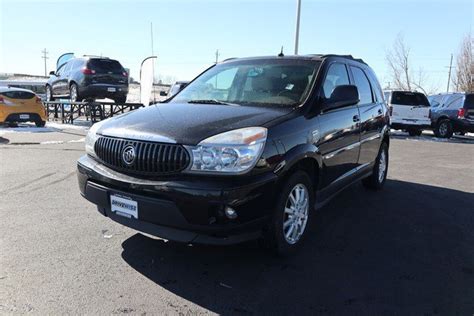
pixel 291 214
pixel 379 174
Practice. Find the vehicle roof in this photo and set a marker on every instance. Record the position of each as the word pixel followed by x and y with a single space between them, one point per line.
pixel 319 57
pixel 6 89
pixel 182 81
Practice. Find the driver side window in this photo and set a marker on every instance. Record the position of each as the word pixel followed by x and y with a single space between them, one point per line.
pixel 336 76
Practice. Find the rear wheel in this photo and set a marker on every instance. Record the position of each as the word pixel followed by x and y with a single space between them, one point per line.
pixel 49 94
pixel 120 99
pixel 291 215
pixel 444 129
pixel 73 93
pixel 377 179
pixel 414 132
pixel 40 123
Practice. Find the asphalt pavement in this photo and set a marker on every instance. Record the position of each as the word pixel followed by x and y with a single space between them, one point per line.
pixel 406 250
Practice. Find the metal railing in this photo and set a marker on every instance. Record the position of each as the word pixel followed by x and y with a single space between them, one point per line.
pixel 67 111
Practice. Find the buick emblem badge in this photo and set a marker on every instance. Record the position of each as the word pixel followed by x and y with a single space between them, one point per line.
pixel 129 155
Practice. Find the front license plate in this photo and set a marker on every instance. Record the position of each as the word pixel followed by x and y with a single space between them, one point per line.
pixel 124 206
pixel 111 89
pixel 24 116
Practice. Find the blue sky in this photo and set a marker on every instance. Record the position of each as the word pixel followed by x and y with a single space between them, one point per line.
pixel 187 33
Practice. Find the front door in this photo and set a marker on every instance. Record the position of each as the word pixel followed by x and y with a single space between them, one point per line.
pixel 339 131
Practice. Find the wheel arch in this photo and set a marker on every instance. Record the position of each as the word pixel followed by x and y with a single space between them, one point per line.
pixel 303 157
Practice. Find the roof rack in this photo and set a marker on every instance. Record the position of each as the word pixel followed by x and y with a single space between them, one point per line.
pixel 341 56
pixel 95 56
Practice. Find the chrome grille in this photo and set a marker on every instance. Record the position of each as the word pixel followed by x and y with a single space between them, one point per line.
pixel 151 159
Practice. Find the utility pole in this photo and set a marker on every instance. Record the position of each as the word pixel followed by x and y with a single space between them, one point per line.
pixel 45 56
pixel 217 56
pixel 297 32
pixel 449 75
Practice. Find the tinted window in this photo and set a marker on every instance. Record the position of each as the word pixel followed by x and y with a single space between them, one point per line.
pixel 376 86
pixel 18 94
pixel 469 102
pixel 336 76
pixel 455 103
pixel 104 66
pixel 409 98
pixel 363 85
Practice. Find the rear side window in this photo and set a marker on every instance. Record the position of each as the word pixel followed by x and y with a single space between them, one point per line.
pixel 363 85
pixel 469 102
pixel 336 76
pixel 105 66
pixel 409 98
pixel 376 86
pixel 18 94
pixel 456 103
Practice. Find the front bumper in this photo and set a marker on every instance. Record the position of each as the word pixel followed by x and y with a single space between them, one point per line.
pixel 189 209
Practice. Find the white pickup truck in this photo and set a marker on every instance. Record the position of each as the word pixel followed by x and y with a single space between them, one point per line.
pixel 409 111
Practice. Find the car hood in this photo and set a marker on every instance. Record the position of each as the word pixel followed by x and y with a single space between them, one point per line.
pixel 186 123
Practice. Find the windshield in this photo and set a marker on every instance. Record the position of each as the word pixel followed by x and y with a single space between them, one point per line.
pixel 283 82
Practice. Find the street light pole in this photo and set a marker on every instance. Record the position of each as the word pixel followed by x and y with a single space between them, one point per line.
pixel 297 32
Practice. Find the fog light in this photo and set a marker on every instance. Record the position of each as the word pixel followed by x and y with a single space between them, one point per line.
pixel 230 212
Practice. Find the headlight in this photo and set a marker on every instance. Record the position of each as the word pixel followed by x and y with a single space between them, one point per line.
pixel 91 139
pixel 232 152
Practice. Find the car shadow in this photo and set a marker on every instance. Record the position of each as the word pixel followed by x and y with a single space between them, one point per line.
pixel 407 249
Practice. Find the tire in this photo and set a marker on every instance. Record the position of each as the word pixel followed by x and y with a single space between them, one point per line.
pixel 414 132
pixel 49 94
pixel 274 235
pixel 74 93
pixel 377 179
pixel 121 99
pixel 444 129
pixel 40 123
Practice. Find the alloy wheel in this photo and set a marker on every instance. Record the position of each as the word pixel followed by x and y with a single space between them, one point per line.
pixel 296 214
pixel 382 165
pixel 73 93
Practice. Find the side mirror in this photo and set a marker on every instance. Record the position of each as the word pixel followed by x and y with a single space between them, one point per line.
pixel 342 96
pixel 52 73
pixel 163 93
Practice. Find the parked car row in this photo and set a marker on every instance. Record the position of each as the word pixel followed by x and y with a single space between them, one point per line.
pixel 445 113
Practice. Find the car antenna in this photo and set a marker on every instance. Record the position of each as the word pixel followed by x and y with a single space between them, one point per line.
pixel 281 53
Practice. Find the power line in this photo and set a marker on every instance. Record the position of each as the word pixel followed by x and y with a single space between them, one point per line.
pixel 45 56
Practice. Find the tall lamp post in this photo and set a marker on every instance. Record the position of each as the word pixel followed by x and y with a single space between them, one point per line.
pixel 297 31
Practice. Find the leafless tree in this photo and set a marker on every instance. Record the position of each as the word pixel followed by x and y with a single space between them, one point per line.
pixel 401 73
pixel 463 77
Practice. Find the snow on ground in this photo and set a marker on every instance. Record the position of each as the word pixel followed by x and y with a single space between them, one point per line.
pixel 49 128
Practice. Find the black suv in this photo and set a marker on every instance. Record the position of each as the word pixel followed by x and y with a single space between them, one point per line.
pixel 241 152
pixel 452 113
pixel 88 78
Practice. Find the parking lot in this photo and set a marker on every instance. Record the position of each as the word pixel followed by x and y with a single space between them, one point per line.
pixel 405 250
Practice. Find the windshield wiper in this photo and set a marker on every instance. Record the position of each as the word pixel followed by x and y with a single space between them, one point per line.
pixel 210 101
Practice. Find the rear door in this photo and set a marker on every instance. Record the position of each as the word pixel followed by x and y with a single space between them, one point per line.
pixel 107 71
pixel 410 108
pixel 371 114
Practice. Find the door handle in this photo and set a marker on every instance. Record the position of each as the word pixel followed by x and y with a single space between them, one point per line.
pixel 356 118
pixel 379 111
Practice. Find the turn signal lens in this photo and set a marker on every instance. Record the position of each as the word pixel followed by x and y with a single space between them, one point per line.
pixel 461 112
